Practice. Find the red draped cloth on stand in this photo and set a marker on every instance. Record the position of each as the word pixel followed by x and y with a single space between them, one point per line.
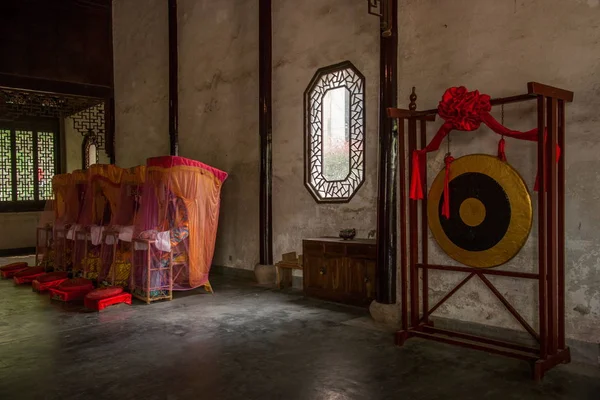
pixel 464 111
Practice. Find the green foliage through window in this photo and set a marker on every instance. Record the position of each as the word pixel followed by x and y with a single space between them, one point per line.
pixel 27 162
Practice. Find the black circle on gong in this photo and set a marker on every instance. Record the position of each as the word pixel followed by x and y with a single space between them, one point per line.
pixel 497 217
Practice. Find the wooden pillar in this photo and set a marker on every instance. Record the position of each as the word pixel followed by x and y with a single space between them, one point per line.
pixel 173 80
pixel 265 126
pixel 388 164
pixel 109 104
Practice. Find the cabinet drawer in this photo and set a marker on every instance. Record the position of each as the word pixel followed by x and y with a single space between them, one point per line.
pixel 338 249
pixel 362 251
pixel 312 248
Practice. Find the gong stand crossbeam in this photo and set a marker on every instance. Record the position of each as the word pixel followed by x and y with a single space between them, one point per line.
pixel 492 288
pixel 513 274
pixel 448 295
pixel 493 342
pixel 550 275
pixel 509 307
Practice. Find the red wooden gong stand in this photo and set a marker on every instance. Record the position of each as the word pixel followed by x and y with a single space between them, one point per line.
pixel 552 349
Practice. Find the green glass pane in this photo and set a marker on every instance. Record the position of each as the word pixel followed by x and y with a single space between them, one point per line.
pixel 5 166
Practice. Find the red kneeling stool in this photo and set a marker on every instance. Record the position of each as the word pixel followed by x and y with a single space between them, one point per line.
pixel 52 279
pixel 28 275
pixel 101 298
pixel 72 289
pixel 9 270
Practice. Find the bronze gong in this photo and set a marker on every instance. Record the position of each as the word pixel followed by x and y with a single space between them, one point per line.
pixel 490 211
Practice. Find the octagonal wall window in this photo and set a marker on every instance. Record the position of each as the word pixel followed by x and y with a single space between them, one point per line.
pixel 334 133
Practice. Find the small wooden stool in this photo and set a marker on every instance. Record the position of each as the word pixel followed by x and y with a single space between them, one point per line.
pixel 284 268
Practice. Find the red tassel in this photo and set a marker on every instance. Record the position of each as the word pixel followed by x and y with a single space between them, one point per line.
pixel 446 204
pixel 416 191
pixel 501 150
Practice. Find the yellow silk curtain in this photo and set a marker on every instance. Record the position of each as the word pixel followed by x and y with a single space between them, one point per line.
pixel 200 191
pixel 106 180
pixel 60 188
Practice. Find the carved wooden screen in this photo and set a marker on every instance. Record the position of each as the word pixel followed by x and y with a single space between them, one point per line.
pixel 334 115
pixel 28 161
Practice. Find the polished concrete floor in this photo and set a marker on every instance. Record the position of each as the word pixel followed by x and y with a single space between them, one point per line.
pixel 245 342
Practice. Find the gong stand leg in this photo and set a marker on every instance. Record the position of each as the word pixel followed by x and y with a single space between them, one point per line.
pixel 551 210
pixel 561 225
pixel 553 350
pixel 541 157
pixel 403 224
pixel 414 229
pixel 424 225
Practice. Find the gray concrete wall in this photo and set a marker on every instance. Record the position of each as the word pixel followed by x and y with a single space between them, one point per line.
pixel 140 40
pixel 497 47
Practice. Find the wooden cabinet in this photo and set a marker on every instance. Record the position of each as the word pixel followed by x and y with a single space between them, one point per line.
pixel 340 270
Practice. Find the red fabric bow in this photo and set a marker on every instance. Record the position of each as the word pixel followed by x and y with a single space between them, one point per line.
pixel 464 111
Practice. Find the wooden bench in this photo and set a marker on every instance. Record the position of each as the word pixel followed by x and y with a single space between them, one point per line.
pixel 284 269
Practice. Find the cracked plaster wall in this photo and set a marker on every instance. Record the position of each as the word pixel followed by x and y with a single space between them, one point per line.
pixel 309 35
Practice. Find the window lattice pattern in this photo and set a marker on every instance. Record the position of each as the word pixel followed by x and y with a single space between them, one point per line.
pixel 91 120
pixel 15 104
pixel 344 75
pixel 46 164
pixel 28 162
pixel 24 165
pixel 5 165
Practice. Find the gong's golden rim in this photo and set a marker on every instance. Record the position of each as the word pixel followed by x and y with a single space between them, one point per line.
pixel 521 211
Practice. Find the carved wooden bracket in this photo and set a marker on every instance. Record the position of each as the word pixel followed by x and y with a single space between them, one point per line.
pixel 382 9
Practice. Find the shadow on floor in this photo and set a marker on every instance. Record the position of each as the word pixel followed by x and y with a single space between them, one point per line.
pixel 245 342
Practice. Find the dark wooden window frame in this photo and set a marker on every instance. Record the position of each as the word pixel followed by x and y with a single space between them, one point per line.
pixel 357 160
pixel 34 124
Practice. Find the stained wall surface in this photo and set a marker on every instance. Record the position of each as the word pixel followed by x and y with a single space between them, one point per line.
pixel 218 113
pixel 309 35
pixel 140 45
pixel 497 47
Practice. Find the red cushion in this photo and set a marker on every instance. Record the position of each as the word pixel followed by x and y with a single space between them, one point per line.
pixel 101 304
pixel 75 284
pixel 30 271
pixel 103 293
pixel 13 266
pixel 52 276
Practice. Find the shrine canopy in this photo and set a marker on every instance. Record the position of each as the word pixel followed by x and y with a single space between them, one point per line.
pixel 55 211
pixel 99 203
pixel 179 213
pixel 118 234
pixel 101 195
pixel 76 195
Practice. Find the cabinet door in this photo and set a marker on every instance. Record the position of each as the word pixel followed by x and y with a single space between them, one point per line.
pixel 335 274
pixel 313 272
pixel 361 279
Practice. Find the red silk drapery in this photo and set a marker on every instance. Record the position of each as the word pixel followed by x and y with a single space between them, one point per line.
pixel 464 111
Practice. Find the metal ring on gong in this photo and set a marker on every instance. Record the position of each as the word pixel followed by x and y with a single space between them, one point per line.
pixel 490 211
